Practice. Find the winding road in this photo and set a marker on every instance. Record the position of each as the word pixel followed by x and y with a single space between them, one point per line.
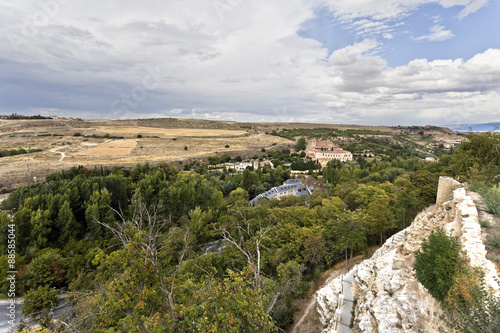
pixel 63 155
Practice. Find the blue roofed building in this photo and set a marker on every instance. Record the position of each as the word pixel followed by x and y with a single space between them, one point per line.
pixel 290 187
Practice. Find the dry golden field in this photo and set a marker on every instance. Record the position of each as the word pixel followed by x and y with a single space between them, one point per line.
pixel 110 148
pixel 61 149
pixel 92 143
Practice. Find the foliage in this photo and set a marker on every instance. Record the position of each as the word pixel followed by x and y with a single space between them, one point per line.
pixel 301 144
pixel 480 312
pixel 491 197
pixel 485 222
pixel 493 241
pixel 228 305
pixel 19 151
pixel 36 301
pixel 438 263
pixel 48 268
pixel 82 229
pixel 478 158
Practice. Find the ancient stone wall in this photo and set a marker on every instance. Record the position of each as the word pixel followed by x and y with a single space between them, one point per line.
pixel 386 296
pixel 445 189
pixel 466 216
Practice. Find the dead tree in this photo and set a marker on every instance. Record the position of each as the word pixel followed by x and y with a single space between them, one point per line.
pixel 146 235
pixel 247 237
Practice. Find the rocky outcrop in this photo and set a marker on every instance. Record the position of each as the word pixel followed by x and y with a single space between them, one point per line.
pixel 387 297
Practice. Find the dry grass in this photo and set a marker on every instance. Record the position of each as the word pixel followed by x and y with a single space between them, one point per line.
pixel 89 148
pixel 162 140
pixel 111 148
pixel 168 132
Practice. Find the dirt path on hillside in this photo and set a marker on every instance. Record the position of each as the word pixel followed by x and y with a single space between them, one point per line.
pixel 306 318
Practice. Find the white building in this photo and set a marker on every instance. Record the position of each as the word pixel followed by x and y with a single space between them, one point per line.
pixel 325 151
pixel 289 187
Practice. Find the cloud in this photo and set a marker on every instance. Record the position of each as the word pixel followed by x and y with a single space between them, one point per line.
pixel 356 67
pixel 432 91
pixel 393 9
pixel 380 17
pixel 470 6
pixel 229 59
pixel 437 34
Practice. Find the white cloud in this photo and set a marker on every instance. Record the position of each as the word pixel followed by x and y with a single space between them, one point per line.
pixel 243 60
pixel 393 9
pixel 420 91
pixel 382 16
pixel 437 34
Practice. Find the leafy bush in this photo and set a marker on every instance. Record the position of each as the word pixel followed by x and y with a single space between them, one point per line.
pixel 38 300
pixel 301 144
pixel 477 158
pixel 492 200
pixel 478 313
pixel 438 263
pixel 485 223
pixel 493 241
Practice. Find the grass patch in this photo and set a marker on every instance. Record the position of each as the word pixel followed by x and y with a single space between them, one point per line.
pixel 491 197
pixel 493 241
pixel 485 222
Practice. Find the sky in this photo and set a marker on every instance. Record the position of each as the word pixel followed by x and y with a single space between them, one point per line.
pixel 367 62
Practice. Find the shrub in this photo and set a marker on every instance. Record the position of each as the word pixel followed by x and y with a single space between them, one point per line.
pixel 227 146
pixel 77 134
pixel 480 312
pixel 492 200
pixel 185 147
pixel 438 262
pixel 139 136
pixel 485 223
pixel 493 242
pixel 38 300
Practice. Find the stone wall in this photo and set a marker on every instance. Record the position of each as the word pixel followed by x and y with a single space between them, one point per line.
pixel 466 216
pixel 387 295
pixel 445 189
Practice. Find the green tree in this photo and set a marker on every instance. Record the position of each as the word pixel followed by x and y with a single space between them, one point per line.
pixel 301 144
pixel 228 305
pixel 47 269
pixel 478 158
pixel 98 209
pixel 38 301
pixel 438 262
pixel 41 227
pixel 69 228
pixel 22 221
pixel 213 160
pixel 4 222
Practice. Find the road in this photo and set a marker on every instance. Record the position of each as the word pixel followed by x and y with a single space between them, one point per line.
pixel 5 326
pixel 63 155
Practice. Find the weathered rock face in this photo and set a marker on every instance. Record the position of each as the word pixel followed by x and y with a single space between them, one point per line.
pixel 388 297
